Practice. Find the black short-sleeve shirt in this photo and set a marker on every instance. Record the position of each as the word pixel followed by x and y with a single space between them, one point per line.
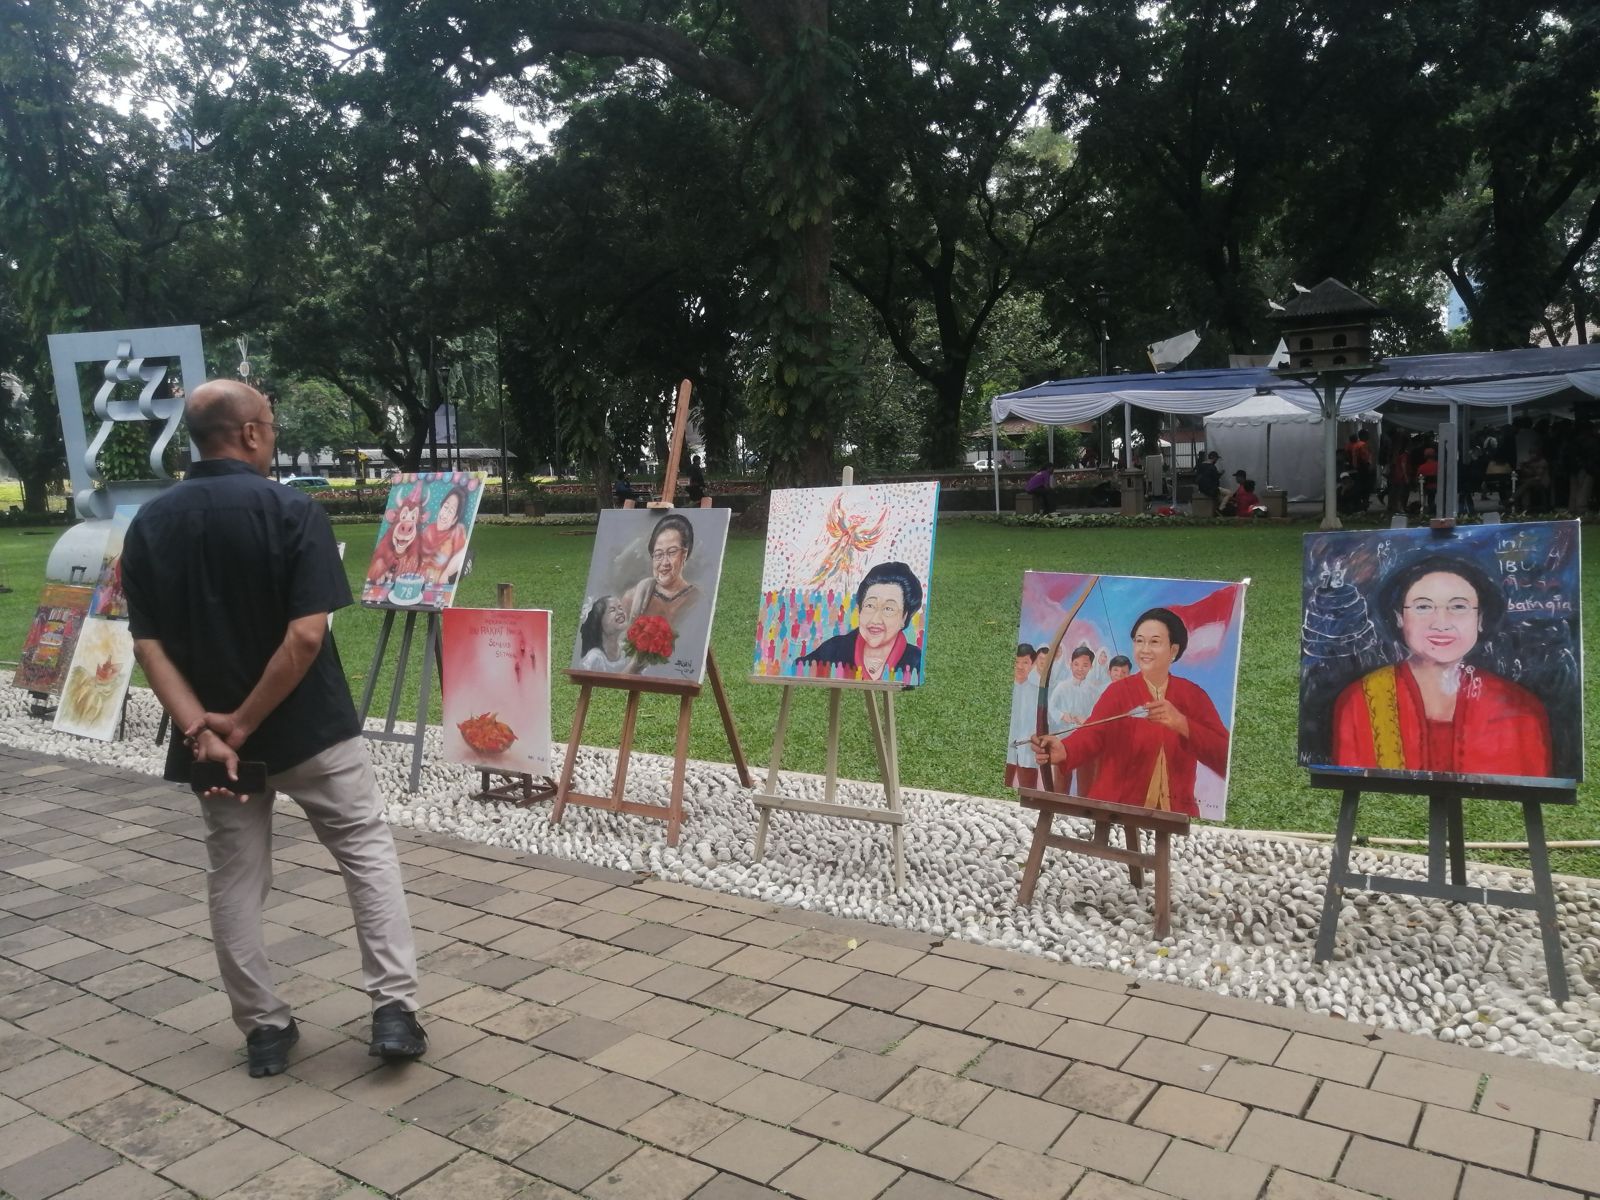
pixel 215 569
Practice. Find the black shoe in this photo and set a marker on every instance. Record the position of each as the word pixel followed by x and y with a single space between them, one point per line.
pixel 396 1033
pixel 268 1048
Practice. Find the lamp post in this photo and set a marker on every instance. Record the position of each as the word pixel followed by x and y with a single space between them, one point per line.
pixel 1104 302
pixel 1328 332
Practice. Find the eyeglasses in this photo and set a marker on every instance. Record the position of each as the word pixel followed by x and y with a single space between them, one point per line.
pixel 1426 608
pixel 666 554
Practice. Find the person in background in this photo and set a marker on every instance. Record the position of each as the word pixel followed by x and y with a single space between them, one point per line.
pixel 1039 488
pixel 697 481
pixel 1208 477
pixel 1400 477
pixel 1361 468
pixel 624 491
pixel 1428 474
pixel 1245 500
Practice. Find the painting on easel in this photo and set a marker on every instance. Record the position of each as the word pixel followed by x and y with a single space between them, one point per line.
pixel 651 593
pixel 496 689
pixel 845 583
pixel 108 600
pixel 1444 655
pixel 1137 678
pixel 52 638
pixel 422 543
pixel 97 681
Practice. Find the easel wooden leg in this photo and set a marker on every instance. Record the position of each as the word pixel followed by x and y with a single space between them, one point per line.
pixel 728 727
pixel 630 718
pixel 891 787
pixel 679 764
pixel 567 768
pixel 1544 891
pixel 830 781
pixel 377 662
pixel 1030 870
pixel 1456 826
pixel 773 769
pixel 1163 883
pixel 1130 839
pixel 1337 872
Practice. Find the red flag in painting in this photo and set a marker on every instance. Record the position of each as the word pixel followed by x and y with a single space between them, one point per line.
pixel 1207 620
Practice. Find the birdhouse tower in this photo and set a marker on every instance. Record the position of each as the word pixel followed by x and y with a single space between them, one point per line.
pixel 1327 328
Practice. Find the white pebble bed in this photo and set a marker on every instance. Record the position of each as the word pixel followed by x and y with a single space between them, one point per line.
pixel 1245 907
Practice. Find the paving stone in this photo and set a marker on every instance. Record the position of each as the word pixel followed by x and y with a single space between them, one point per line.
pixel 882 957
pixel 1193 1172
pixel 866 1029
pixel 582 1037
pixel 1397 1173
pixel 939 1049
pixel 1105 1093
pixel 680 981
pixel 1018 1070
pixel 861 1074
pixel 487 1059
pixel 878 991
pixel 472 1175
pixel 1239 1039
pixel 613 1101
pixel 83 1090
pixel 151 1127
pixel 755 1150
pixel 829 1173
pixel 124 1182
pixel 799 1012
pixel 762 932
pixel 1172 1062
pixel 651 938
pixel 340 1133
pixel 698 950
pixel 739 996
pixel 549 1079
pixel 472 1005
pixel 1567 1161
pixel 941 972
pixel 852 1121
pixel 1286 1185
pixel 449 1106
pixel 284 1110
pixel 912 1186
pixel 1527 1103
pixel 757 962
pixel 726 1034
pixel 54 1168
pixel 43 1071
pixel 1019 1121
pixel 231 1088
pixel 707 1076
pixel 787 1053
pixel 650 1174
pixel 1008 1173
pixel 1483 1140
pixel 1022 1026
pixel 1264 1087
pixel 1481 1184
pixel 1376 1114
pixel 605 1001
pixel 1271 1137
pixel 552 987
pixel 1103 1187
pixel 936 1096
pixel 1111 1147
pixel 936 1149
pixel 640 1055
pixel 939 1006
pixel 815 975
pixel 399 1161
pixel 1328 1059
pixel 1155 1019
pixel 510 1130
pixel 682 1124
pixel 774 1098
pixel 577 1154
pixel 392 1084
pixel 1198 1118
pixel 226 1164
pixel 1429 1082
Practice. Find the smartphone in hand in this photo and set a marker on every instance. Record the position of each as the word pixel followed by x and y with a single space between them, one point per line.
pixel 252 781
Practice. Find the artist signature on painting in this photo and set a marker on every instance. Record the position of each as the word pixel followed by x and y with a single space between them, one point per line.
pixel 683 667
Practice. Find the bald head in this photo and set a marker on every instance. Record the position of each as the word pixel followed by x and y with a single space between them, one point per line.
pixel 229 419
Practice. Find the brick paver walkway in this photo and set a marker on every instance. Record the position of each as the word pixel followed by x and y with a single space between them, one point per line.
pixel 597 1034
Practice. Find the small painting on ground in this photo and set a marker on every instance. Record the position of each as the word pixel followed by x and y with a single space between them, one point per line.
pixel 52 637
pixel 97 681
pixel 1444 655
pixel 651 592
pixel 422 544
pixel 1126 685
pixel 845 583
pixel 496 689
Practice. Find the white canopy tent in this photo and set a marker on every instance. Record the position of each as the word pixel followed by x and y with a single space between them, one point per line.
pixel 1278 444
pixel 1495 379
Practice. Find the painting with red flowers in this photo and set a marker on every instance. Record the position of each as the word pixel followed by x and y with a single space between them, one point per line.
pixel 651 591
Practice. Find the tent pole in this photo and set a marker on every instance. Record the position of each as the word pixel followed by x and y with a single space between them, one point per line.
pixel 1050 443
pixel 1127 436
pixel 994 458
pixel 1454 465
pixel 1268 474
pixel 1329 383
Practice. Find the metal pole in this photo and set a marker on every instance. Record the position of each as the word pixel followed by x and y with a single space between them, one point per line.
pixel 1127 436
pixel 1330 450
pixel 500 402
pixel 994 458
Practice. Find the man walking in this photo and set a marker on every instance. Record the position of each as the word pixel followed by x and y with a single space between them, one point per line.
pixel 230 579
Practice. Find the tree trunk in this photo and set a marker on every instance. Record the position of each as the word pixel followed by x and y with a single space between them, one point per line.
pixel 944 436
pixel 36 491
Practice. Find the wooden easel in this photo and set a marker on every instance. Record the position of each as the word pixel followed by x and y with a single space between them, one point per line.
pixel 885 743
pixel 1447 839
pixel 1133 821
pixel 431 657
pixel 516 787
pixel 636 686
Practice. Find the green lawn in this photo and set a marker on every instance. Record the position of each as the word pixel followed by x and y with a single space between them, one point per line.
pixel 953 730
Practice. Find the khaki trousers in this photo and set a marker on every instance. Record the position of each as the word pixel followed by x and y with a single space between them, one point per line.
pixel 339 794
